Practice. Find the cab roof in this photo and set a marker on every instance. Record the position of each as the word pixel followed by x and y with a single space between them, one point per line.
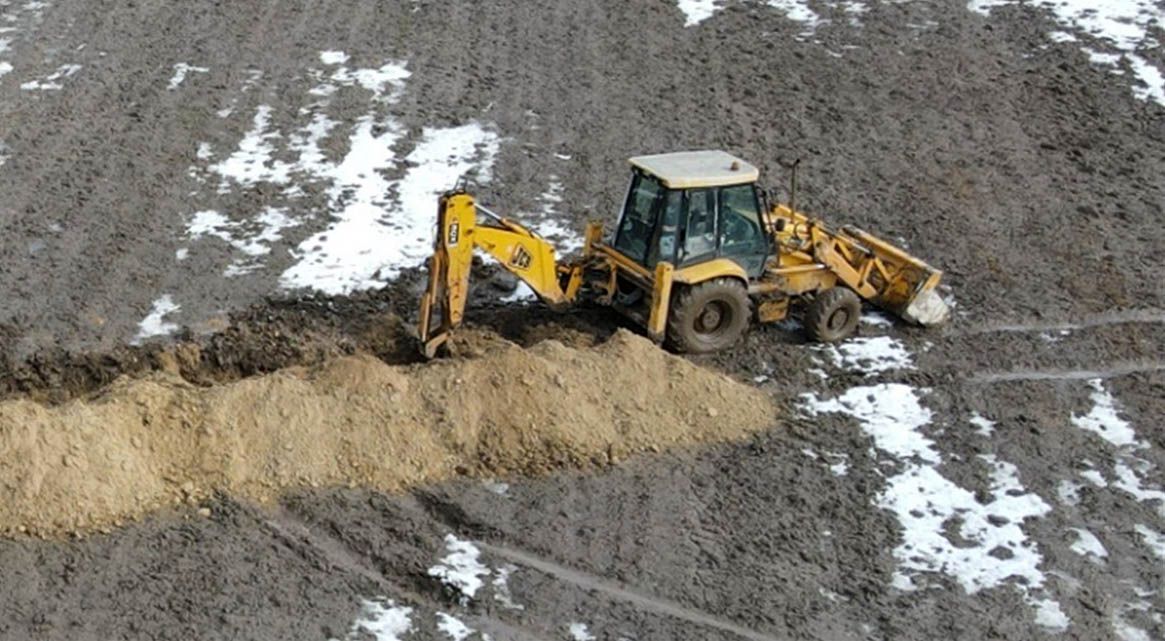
pixel 694 169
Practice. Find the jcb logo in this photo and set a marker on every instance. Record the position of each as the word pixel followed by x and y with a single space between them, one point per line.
pixel 454 233
pixel 521 259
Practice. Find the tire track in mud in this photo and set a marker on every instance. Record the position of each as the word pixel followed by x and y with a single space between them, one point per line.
pixel 298 533
pixel 450 514
pixel 1109 371
pixel 1120 317
pixel 626 594
pixel 1106 345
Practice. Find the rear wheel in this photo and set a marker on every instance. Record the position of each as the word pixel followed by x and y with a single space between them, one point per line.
pixel 708 317
pixel 833 315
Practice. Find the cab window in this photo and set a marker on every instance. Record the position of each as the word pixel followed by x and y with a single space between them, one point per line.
pixel 701 229
pixel 740 229
pixel 665 246
pixel 635 230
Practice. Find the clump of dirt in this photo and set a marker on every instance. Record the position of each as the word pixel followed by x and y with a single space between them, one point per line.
pixel 159 440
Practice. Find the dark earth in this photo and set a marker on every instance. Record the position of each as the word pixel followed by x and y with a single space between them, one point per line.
pixel 1030 176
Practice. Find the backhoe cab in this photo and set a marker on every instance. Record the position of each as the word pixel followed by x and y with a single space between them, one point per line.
pixel 695 258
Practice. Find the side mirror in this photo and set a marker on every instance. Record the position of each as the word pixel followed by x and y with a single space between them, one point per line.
pixel 780 225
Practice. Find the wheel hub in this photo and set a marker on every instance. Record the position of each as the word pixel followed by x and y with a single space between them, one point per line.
pixel 710 319
pixel 838 319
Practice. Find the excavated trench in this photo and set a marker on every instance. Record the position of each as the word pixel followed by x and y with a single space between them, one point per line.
pixel 158 439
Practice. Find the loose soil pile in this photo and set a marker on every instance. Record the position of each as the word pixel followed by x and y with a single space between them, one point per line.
pixel 161 440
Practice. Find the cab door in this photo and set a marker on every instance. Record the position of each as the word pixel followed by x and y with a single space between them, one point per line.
pixel 724 223
pixel 741 236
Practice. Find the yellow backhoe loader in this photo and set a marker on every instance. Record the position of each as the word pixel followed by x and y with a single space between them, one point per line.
pixel 694 258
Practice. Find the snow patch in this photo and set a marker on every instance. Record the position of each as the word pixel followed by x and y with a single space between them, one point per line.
pixel 1126 632
pixel 875 318
pixel 925 501
pixel 5 68
pixel 983 427
pixel 992 549
pixel 1050 616
pixel 375 235
pixel 349 254
pixel 380 224
pixel 1152 538
pixel 798 11
pixel 579 632
pixel 1122 25
pixel 461 568
pixel 1128 480
pixel 1150 77
pixel 252 162
pixel 1102 59
pixel 453 627
pixel 180 72
pixel 870 355
pixel 1104 420
pixel 253 238
pixel 333 57
pixel 382 619
pixel 501 586
pixel 1094 477
pixel 697 11
pixel 550 227
pixel 890 413
pixel 386 82
pixel 52 82
pixel 1068 492
pixel 1087 544
pixel 155 324
pixel 441 157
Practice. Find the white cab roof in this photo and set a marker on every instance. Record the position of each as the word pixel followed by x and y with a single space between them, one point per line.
pixel 693 169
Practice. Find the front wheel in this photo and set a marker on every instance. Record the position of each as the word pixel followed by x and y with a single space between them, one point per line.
pixel 833 315
pixel 708 317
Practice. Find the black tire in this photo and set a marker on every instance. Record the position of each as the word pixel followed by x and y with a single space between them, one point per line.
pixel 833 315
pixel 708 317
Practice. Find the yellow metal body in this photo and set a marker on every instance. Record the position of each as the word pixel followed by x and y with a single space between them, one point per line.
pixel 660 300
pixel 809 258
pixel 519 250
pixel 812 257
pixel 715 268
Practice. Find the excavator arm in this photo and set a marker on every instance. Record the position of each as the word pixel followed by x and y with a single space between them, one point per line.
pixel 519 250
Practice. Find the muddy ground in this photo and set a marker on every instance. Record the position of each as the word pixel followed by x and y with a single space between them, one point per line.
pixel 1032 177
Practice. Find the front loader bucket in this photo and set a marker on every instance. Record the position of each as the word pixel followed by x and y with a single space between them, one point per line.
pixel 900 282
pixel 927 309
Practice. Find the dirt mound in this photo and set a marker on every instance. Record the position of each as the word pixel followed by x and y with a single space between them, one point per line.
pixel 160 440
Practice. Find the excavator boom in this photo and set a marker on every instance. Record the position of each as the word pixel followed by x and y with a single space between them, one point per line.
pixel 522 252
